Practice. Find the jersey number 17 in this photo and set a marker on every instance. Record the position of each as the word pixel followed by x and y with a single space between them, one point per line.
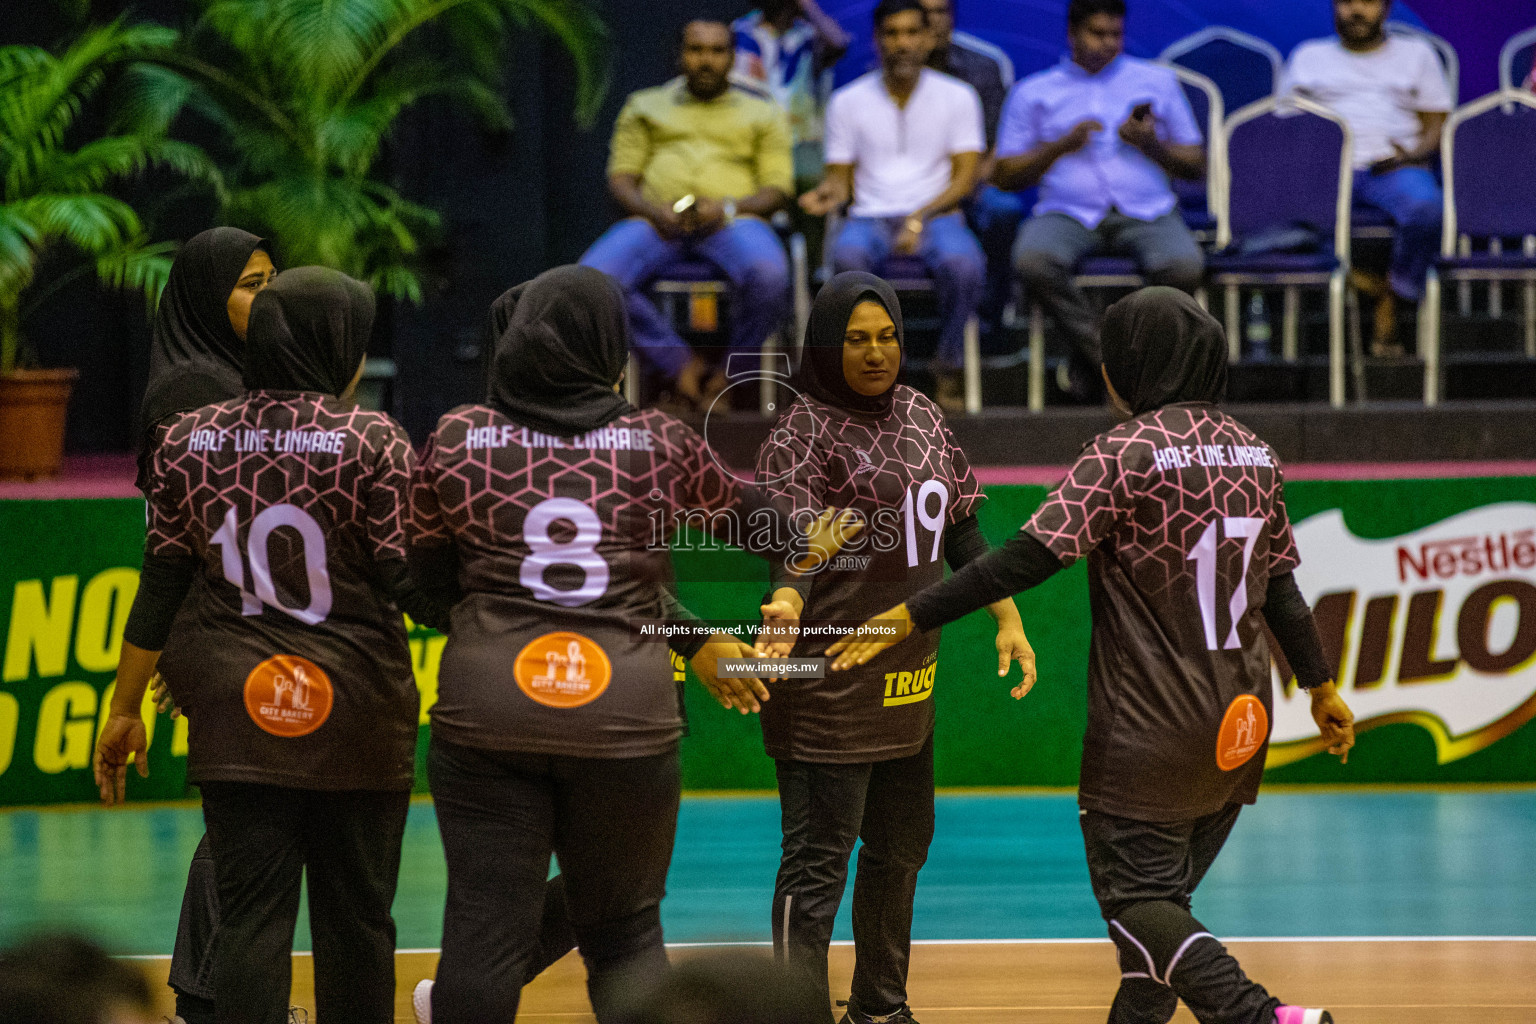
pixel 1246 529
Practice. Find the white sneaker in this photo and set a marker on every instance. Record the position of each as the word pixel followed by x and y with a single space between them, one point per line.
pixel 421 1001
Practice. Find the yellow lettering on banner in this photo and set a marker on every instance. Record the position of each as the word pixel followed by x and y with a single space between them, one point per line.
pixel 10 714
pixel 66 725
pixel 147 711
pixel 40 625
pixel 103 613
pixel 426 658
pixel 179 736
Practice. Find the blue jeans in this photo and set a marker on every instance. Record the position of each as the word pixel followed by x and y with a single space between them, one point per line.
pixel 748 255
pixel 1411 197
pixel 949 251
pixel 995 216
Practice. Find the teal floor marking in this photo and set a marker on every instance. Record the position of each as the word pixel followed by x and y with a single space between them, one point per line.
pixel 1002 866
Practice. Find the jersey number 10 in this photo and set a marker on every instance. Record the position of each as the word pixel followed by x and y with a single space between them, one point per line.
pixel 228 540
pixel 1246 529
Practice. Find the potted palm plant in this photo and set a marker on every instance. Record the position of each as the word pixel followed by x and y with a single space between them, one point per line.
pixel 306 93
pixel 54 194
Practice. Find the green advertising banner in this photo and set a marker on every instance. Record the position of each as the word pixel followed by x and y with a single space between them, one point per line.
pixel 1424 590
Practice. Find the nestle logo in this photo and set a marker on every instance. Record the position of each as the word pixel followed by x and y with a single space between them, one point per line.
pixel 1468 556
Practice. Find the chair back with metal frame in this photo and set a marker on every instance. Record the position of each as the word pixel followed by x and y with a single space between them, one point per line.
pixel 1288 163
pixel 1488 163
pixel 1244 67
pixel 1198 199
pixel 1450 63
pixel 1516 58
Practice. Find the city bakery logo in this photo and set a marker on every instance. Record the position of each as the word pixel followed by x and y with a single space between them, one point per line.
pixel 1435 628
pixel 1242 732
pixel 563 670
pixel 288 696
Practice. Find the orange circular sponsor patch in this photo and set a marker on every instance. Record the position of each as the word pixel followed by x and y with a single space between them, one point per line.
pixel 1244 728
pixel 563 670
pixel 288 695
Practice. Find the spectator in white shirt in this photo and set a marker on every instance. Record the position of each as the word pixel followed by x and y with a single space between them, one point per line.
pixel 904 143
pixel 1391 89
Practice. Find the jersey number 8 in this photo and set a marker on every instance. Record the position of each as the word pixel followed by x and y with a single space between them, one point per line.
pixel 580 551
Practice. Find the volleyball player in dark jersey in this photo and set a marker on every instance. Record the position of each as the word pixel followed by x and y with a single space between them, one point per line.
pixel 557 722
pixel 286 507
pixel 854 753
pixel 196 349
pixel 1180 515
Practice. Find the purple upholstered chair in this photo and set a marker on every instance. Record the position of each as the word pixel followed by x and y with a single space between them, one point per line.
pixel 1287 165
pixel 1488 159
pixel 1244 67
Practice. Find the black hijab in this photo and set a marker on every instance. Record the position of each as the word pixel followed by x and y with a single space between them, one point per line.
pixel 564 347
pixel 309 331
pixel 821 358
pixel 1160 347
pixel 195 355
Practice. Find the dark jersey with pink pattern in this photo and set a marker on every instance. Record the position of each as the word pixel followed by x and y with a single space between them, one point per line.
pixel 568 536
pixel 288 499
pixel 904 473
pixel 1181 516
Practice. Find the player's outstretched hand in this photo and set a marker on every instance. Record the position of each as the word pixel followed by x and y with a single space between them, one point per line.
pixel 160 694
pixel 826 536
pixel 121 736
pixel 742 693
pixel 1013 645
pixel 1334 720
pixel 864 643
pixel 781 624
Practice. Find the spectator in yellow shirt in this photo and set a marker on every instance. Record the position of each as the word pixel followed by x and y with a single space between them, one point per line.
pixel 699 165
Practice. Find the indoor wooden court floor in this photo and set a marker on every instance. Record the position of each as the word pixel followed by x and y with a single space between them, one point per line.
pixel 1440 880
pixel 1362 982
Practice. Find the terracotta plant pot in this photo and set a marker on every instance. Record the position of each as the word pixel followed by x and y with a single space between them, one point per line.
pixel 33 404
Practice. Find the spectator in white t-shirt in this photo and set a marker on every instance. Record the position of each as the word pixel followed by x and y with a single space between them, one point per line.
pixel 1392 91
pixel 904 143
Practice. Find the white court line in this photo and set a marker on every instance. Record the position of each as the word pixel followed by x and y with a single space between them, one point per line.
pixel 1030 942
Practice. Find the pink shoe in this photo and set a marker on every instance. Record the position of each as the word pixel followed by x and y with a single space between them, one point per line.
pixel 1302 1015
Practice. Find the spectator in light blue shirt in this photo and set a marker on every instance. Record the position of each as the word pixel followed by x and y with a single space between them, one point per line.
pixel 1100 133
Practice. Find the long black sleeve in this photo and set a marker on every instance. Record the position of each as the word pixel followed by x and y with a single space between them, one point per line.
pixel 779 558
pixel 425 586
pixel 675 611
pixel 164 582
pixel 963 543
pixel 1021 563
pixel 1290 620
